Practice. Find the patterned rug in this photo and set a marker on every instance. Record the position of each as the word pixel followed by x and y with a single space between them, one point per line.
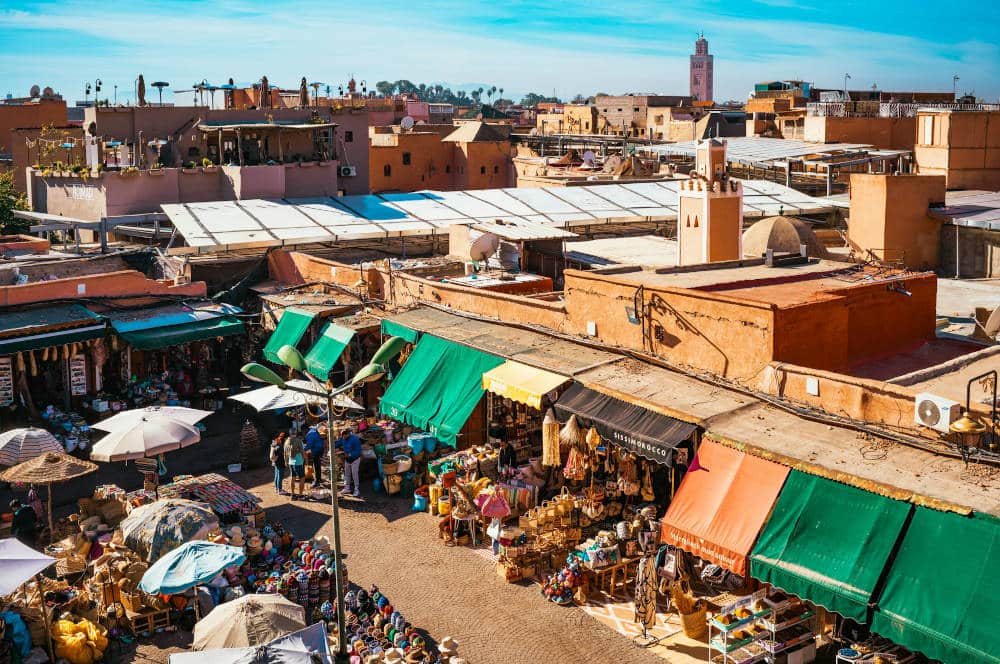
pixel 618 614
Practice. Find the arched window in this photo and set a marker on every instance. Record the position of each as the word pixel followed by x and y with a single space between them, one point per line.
pixel 387 170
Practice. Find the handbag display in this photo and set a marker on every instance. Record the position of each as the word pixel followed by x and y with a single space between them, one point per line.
pixel 648 495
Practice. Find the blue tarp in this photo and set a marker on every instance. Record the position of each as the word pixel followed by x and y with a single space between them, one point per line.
pixel 189 565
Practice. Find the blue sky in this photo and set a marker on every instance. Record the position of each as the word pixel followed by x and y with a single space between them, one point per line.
pixel 520 45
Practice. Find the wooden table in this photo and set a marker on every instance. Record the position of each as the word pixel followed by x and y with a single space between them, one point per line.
pixel 614 577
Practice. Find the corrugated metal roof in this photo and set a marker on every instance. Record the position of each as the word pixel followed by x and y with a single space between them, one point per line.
pixel 229 225
pixel 521 230
pixel 19 323
pixel 975 210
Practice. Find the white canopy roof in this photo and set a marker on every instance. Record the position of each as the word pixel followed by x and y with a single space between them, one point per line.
pixel 226 225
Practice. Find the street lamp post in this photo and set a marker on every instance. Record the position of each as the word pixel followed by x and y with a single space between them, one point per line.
pixel 374 370
pixel 954 88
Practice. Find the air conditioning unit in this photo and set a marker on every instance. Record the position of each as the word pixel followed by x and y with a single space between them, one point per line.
pixel 348 171
pixel 934 412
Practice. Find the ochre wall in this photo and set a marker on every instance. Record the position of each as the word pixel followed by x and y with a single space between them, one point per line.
pixel 965 147
pixel 889 213
pixel 431 163
pixel 705 330
pixel 883 133
pixel 119 284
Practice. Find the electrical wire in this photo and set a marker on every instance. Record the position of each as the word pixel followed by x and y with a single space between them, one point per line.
pixel 803 410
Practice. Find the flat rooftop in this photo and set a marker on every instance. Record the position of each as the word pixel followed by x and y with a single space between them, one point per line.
pixel 644 250
pixel 752 280
pixel 753 150
pixel 975 209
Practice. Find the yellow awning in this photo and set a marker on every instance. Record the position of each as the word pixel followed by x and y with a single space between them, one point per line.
pixel 521 383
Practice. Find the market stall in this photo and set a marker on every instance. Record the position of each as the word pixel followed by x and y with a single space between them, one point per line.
pixel 178 354
pixel 518 397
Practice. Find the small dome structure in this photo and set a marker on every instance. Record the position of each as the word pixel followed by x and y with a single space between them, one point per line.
pixel 783 234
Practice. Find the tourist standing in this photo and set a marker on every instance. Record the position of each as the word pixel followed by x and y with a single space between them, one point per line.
pixel 350 445
pixel 315 446
pixel 278 461
pixel 296 458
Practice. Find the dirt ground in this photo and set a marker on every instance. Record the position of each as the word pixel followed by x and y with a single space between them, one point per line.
pixel 447 591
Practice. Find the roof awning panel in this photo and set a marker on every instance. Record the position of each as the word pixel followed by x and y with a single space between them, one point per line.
pixel 521 383
pixel 391 328
pixel 327 350
pixel 648 434
pixel 828 543
pixel 438 387
pixel 148 329
pixel 941 591
pixel 292 325
pixel 722 505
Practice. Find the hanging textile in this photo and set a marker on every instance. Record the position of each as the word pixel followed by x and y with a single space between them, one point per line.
pixel 646 583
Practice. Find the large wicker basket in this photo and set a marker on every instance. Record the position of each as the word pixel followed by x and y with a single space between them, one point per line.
pixel 695 625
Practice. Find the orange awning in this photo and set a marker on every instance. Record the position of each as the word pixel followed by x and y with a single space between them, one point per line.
pixel 722 505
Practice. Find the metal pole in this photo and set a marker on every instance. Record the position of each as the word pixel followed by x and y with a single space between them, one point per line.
pixel 341 656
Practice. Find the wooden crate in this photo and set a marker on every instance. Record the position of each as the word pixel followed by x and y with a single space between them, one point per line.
pixel 148 620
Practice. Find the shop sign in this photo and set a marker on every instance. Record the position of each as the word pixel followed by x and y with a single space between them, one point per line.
pixel 6 381
pixel 78 375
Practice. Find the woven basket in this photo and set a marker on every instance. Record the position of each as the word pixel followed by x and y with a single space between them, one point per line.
pixel 695 624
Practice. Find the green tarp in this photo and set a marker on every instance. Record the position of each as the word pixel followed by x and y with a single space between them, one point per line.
pixel 35 329
pixel 327 350
pixel 394 329
pixel 161 337
pixel 941 591
pixel 293 324
pixel 438 387
pixel 828 543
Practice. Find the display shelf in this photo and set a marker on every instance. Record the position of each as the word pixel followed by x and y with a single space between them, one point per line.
pixel 740 623
pixel 777 645
pixel 791 622
pixel 726 646
pixel 748 654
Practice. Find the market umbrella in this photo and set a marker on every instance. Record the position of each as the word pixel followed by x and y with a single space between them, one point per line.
pixel 159 527
pixel 251 620
pixel 299 647
pixel 50 468
pixel 273 397
pixel 129 418
pixel 18 563
pixel 189 565
pixel 144 437
pixel 20 445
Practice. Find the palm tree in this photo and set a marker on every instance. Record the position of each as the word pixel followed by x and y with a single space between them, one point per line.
pixel 492 92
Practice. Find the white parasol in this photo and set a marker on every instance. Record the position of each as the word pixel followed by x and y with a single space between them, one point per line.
pixel 273 397
pixel 128 418
pixel 18 563
pixel 144 437
pixel 20 445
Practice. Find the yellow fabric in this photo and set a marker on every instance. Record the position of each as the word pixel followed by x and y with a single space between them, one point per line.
pixel 521 383
pixel 79 643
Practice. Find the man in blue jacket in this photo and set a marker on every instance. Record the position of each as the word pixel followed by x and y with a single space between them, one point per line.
pixel 315 445
pixel 351 447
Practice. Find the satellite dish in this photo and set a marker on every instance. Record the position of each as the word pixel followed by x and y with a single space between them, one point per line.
pixel 992 326
pixel 406 123
pixel 35 91
pixel 484 246
pixel 588 159
pixel 48 92
pixel 421 122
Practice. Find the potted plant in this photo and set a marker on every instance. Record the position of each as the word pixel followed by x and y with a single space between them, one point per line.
pixel 131 171
pixel 207 166
pixel 190 167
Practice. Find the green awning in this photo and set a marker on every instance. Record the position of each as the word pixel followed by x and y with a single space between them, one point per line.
pixel 327 350
pixel 393 329
pixel 438 387
pixel 941 591
pixel 171 335
pixel 292 325
pixel 35 329
pixel 828 543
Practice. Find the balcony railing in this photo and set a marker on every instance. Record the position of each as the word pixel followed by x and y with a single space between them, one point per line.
pixel 875 109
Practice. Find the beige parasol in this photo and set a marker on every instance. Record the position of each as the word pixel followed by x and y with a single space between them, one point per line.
pixel 251 620
pixel 50 468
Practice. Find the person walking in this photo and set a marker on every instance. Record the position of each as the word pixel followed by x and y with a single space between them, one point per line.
pixel 278 461
pixel 315 446
pixel 295 457
pixel 350 445
pixel 25 523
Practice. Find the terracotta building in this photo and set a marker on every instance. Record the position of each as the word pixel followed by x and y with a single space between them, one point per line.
pixel 23 120
pixel 474 155
pixel 963 146
pixel 628 114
